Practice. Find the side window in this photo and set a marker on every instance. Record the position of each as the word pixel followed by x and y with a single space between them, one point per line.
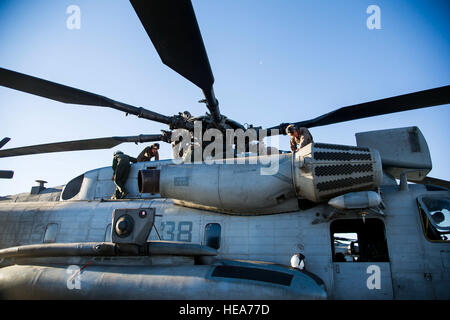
pixel 50 233
pixel 108 233
pixel 355 240
pixel 212 235
pixel 435 217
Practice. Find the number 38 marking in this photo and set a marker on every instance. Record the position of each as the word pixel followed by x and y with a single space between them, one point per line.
pixel 183 232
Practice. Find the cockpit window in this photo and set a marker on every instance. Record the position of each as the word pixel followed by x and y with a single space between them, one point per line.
pixel 435 217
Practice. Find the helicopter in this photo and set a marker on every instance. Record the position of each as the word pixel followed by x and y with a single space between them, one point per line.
pixel 243 215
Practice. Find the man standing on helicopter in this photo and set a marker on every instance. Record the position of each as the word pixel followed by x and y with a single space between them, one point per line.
pixel 299 137
pixel 148 153
pixel 121 167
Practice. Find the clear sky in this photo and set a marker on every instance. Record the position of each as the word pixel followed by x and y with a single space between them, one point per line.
pixel 273 61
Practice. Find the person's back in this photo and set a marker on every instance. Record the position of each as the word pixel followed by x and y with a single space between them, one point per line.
pixel 148 153
pixel 300 137
pixel 121 167
pixel 120 160
pixel 305 137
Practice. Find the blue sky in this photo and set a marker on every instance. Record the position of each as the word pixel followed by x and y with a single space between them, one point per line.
pixel 273 62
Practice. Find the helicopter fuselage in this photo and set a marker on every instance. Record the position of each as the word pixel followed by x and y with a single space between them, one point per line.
pixel 409 267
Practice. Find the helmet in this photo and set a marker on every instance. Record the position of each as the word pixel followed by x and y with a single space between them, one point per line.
pixel 438 217
pixel 155 145
pixel 118 152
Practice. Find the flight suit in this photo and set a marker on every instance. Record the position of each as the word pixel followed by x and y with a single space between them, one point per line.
pixel 121 167
pixel 304 138
pixel 147 154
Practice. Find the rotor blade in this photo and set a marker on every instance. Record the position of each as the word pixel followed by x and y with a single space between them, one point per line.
pixel 434 181
pixel 6 174
pixel 410 101
pixel 4 141
pixel 173 29
pixel 65 94
pixel 89 144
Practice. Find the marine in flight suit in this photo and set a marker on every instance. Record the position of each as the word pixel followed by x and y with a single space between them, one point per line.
pixel 121 167
pixel 300 137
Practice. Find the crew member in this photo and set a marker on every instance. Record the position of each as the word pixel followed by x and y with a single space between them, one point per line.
pixel 148 153
pixel 298 261
pixel 121 167
pixel 300 137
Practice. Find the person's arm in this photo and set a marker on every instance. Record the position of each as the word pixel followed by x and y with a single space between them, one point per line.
pixel 134 160
pixel 156 155
pixel 293 145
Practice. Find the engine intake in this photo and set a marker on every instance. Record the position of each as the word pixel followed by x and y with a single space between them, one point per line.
pixel 323 171
pixel 148 181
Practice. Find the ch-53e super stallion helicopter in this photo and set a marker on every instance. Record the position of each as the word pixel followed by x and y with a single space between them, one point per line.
pixel 331 221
